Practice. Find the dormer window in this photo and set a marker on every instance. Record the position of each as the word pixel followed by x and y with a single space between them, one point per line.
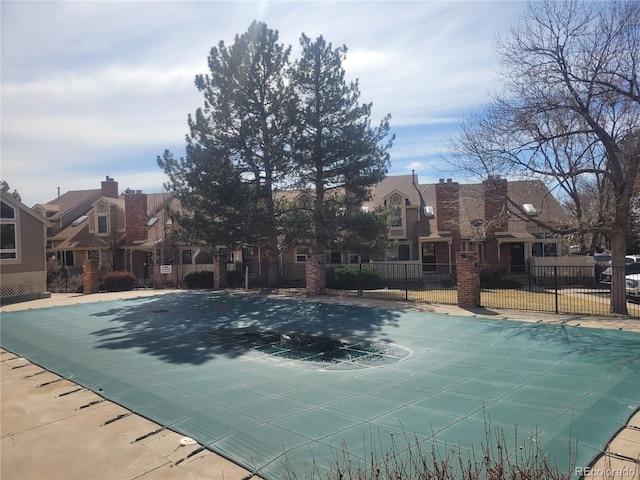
pixel 103 224
pixel 395 207
pixel 396 216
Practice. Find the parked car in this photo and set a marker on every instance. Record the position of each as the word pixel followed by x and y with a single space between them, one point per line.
pixel 633 285
pixel 602 258
pixel 629 269
pixel 631 258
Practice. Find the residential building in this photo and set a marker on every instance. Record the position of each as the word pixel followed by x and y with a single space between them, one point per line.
pixel 129 231
pixel 506 223
pixel 23 262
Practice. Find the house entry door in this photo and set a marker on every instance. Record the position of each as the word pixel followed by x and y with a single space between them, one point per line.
pixel 517 257
pixel 429 257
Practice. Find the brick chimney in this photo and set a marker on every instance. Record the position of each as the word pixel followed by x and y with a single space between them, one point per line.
pixel 495 214
pixel 135 206
pixel 110 188
pixel 448 215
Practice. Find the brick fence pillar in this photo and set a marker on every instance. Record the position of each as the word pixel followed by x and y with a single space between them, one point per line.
pixel 220 271
pixel 90 276
pixel 315 274
pixel 468 276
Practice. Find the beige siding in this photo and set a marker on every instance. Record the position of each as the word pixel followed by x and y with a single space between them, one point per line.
pixel 32 242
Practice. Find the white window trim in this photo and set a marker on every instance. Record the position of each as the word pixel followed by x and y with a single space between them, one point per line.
pixel 99 256
pixel 18 251
pixel 98 232
pixel 302 254
pixel 397 251
pixel 63 258
pixel 182 250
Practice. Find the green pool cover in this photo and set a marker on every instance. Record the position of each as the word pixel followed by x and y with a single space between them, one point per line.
pixel 280 385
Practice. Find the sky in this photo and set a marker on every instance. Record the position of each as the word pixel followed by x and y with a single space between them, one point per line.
pixel 92 89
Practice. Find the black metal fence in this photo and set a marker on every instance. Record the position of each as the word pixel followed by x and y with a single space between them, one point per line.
pixel 551 288
pixel 556 288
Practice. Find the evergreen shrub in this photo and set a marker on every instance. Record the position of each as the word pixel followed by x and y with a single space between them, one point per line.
pixel 119 281
pixel 202 279
pixel 348 278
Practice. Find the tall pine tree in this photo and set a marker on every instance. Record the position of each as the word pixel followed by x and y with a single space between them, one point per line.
pixel 338 155
pixel 237 149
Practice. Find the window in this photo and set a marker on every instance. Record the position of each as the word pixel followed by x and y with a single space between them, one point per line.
pixel 395 210
pixel 7 212
pixel 301 254
pixel 65 258
pixel 478 247
pixel 93 255
pixel 541 249
pixel 480 250
pixel 8 233
pixel 186 257
pixel 396 216
pixel 399 253
pixel 102 224
pixel 335 257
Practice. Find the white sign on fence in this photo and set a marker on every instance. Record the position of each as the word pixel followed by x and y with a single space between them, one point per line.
pixel 165 268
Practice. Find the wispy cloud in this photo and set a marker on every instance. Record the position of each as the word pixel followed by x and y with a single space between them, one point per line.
pixel 87 84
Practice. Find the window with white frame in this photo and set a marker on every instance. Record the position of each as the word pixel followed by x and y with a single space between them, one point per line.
pixel 544 249
pixel 103 224
pixel 301 254
pixel 66 258
pixel 8 233
pixel 396 210
pixel 398 253
pixel 545 246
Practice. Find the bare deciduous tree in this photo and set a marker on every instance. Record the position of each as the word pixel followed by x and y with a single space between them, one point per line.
pixel 569 113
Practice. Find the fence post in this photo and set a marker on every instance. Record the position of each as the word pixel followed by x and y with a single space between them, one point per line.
pixel 220 271
pixel 360 280
pixel 315 275
pixel 406 283
pixel 90 276
pixel 555 284
pixel 468 276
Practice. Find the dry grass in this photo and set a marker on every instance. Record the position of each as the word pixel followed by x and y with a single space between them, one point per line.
pixel 572 301
pixel 412 459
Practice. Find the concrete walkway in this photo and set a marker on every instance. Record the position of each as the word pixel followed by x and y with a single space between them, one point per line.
pixel 51 428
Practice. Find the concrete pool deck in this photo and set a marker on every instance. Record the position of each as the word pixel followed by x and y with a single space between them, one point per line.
pixel 71 436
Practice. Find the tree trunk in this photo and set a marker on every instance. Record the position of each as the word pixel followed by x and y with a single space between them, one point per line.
pixel 618 252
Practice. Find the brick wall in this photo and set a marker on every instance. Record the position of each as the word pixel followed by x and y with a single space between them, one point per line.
pixel 220 271
pixel 315 274
pixel 90 276
pixel 495 214
pixel 110 188
pixel 468 278
pixel 135 205
pixel 447 217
